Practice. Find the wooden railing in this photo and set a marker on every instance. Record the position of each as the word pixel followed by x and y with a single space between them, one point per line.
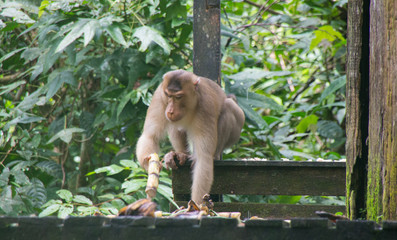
pixel 241 177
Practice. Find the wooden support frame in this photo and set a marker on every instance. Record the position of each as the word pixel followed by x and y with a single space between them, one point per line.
pixel 253 177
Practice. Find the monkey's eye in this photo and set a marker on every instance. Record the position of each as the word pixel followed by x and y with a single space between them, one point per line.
pixel 178 97
pixel 166 94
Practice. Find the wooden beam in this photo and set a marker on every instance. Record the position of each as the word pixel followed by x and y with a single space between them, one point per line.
pixel 206 39
pixel 269 178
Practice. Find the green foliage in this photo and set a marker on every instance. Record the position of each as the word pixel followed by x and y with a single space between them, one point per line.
pixel 107 192
pixel 287 64
pixel 76 78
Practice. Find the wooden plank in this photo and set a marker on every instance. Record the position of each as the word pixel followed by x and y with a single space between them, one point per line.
pixel 269 178
pixel 206 39
pixel 263 210
pixel 381 201
pixel 357 101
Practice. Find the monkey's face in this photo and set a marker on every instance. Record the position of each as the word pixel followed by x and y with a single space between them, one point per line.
pixel 179 90
pixel 176 108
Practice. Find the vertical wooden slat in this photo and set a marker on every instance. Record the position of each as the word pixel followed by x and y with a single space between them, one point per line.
pixel 206 39
pixel 382 164
pixel 357 98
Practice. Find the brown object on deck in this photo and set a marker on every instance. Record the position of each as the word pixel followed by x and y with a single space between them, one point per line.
pixel 142 207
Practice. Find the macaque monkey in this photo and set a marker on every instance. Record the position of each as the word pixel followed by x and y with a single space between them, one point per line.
pixel 193 111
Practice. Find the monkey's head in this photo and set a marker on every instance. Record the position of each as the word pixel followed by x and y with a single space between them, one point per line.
pixel 180 92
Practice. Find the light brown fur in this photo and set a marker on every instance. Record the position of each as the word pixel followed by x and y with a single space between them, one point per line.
pixel 196 110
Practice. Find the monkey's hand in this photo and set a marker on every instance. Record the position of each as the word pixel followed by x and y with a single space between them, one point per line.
pixel 145 163
pixel 174 159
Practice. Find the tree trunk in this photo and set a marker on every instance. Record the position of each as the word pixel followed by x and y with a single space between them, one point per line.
pixel 357 101
pixel 382 164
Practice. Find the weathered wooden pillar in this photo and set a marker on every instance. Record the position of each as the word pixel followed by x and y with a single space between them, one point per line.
pixel 357 101
pixel 206 39
pixel 382 163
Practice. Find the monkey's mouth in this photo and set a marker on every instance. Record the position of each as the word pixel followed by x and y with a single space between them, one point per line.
pixel 173 118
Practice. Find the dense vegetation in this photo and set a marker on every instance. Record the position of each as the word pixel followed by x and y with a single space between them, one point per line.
pixel 76 78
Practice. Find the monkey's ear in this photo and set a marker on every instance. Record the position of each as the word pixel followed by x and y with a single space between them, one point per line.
pixel 196 83
pixel 165 75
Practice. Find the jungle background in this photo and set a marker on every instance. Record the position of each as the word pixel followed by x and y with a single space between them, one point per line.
pixel 76 78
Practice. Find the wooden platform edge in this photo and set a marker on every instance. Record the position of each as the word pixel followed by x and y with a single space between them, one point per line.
pixel 273 211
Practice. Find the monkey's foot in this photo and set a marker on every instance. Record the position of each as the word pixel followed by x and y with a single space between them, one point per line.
pixel 174 159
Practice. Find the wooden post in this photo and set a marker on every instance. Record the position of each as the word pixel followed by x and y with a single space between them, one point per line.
pixel 357 102
pixel 206 39
pixel 382 163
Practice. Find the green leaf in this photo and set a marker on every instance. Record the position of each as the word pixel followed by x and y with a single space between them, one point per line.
pixel 10 54
pixel 31 54
pixel 109 170
pixel 290 154
pixel 43 6
pixel 330 129
pixel 30 100
pixel 4 177
pixel 333 87
pixel 133 185
pixel 129 163
pixel 89 31
pixel 257 74
pixel 6 200
pixel 106 197
pixel 87 211
pixel 260 101
pixel 50 57
pixel 26 154
pixel 332 32
pixel 309 22
pixel 65 210
pixel 115 33
pixel 147 35
pixel 51 168
pixel 251 115
pixel 166 192
pixel 117 203
pixel 65 195
pixel 49 210
pixel 20 177
pixel 77 30
pixel 109 210
pixel 325 32
pixel 65 135
pixel 82 199
pixel 37 192
pixel 305 123
pixel 56 80
pixel 52 202
pixel 10 87
pixel 124 100
pixel 24 120
pixel 17 15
